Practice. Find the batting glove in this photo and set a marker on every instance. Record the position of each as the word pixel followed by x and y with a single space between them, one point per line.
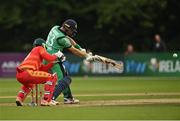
pixel 90 57
pixel 60 56
pixel 82 49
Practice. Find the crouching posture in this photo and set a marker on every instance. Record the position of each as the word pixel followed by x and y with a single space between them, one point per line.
pixel 31 71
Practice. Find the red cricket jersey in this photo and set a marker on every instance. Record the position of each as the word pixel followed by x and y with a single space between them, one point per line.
pixel 34 59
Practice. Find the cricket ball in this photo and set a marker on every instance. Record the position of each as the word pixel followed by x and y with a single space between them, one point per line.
pixel 175 55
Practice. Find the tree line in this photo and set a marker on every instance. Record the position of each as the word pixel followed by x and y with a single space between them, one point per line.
pixel 103 25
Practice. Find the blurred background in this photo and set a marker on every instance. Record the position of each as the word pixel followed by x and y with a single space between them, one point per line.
pixel 103 25
pixel 121 27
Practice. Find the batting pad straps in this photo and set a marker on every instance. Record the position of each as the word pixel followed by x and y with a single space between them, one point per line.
pixel 49 83
pixel 47 92
pixel 21 91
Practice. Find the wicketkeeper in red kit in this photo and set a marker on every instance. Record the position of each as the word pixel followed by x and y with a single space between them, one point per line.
pixel 31 71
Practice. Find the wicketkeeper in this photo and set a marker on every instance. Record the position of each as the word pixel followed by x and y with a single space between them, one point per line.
pixel 59 38
pixel 31 71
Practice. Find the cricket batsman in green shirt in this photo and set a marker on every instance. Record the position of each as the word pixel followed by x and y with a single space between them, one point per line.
pixel 60 38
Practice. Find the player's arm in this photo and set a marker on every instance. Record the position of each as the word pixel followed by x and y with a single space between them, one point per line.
pixel 73 42
pixel 46 67
pixel 68 43
pixel 80 53
pixel 77 52
pixel 46 56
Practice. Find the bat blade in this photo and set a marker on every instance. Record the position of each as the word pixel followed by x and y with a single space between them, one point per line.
pixel 108 61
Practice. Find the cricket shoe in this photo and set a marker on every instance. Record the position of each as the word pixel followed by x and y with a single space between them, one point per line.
pixel 71 101
pixel 53 102
pixel 19 101
pixel 45 103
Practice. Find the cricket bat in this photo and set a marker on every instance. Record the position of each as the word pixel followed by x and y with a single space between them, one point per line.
pixel 108 61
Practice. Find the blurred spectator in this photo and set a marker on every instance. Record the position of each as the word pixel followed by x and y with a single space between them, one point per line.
pixel 159 45
pixel 129 49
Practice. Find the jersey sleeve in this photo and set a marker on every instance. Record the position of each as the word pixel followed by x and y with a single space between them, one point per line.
pixel 77 46
pixel 46 56
pixel 46 67
pixel 65 42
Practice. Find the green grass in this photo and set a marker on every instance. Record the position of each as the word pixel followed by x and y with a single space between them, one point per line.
pixel 97 86
pixel 106 112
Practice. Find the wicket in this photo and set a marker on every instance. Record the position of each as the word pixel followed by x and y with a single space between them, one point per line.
pixel 35 101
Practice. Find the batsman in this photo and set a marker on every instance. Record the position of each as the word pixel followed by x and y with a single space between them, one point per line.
pixel 60 38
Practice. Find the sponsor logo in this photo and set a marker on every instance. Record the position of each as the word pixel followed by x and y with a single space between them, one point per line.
pixel 100 68
pixel 169 66
pixel 133 66
pixel 91 68
pixel 9 66
pixel 164 66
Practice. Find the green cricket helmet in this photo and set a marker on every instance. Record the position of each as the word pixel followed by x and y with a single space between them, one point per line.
pixel 39 42
pixel 70 27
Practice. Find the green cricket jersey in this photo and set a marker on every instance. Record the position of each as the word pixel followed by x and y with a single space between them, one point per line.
pixel 56 40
